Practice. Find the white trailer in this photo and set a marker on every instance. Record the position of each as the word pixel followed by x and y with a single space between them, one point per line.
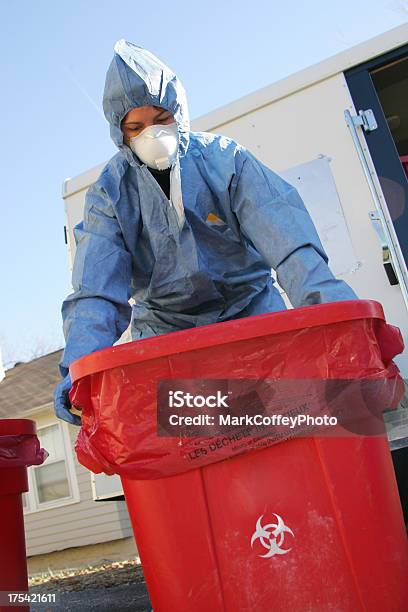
pixel 338 131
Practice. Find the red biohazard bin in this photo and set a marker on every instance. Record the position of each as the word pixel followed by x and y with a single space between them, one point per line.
pixel 19 448
pixel 311 523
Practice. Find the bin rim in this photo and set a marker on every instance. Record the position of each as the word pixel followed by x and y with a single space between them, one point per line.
pixel 17 427
pixel 235 330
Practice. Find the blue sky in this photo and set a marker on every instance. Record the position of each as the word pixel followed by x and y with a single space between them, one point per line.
pixel 54 57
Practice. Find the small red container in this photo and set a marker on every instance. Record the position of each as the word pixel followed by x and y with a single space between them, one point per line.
pixel 307 524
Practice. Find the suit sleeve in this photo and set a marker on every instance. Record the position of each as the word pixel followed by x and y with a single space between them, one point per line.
pixel 272 215
pixel 97 313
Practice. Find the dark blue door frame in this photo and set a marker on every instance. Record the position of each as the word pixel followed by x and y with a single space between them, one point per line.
pixel 380 143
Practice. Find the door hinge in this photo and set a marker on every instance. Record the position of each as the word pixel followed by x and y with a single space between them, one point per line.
pixel 366 119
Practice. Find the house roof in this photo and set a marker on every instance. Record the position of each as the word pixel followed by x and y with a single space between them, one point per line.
pixel 29 385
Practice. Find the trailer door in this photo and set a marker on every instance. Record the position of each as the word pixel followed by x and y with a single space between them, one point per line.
pixel 382 86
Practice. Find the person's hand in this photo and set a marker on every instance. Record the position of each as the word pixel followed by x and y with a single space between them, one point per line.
pixel 62 405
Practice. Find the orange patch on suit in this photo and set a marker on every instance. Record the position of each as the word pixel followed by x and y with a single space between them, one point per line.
pixel 212 219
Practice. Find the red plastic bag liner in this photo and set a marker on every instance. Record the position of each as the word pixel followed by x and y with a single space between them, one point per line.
pixel 19 445
pixel 116 388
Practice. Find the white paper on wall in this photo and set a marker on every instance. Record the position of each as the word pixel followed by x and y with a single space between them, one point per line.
pixel 315 184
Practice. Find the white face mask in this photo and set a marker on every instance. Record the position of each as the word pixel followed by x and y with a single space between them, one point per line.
pixel 156 146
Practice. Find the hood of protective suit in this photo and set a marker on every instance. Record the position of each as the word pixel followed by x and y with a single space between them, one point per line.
pixel 137 78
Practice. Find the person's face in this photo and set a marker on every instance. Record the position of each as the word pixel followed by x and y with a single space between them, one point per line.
pixel 140 118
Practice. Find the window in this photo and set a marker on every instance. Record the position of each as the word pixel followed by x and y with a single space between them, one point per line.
pixel 51 479
pixel 54 482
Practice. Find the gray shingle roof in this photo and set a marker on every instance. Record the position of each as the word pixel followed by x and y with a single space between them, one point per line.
pixel 29 385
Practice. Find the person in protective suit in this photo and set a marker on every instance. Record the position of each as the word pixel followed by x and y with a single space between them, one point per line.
pixel 188 224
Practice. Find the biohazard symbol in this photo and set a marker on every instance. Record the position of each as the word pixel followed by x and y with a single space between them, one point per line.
pixel 271 536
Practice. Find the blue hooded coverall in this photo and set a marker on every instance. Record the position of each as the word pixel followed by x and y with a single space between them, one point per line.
pixel 129 243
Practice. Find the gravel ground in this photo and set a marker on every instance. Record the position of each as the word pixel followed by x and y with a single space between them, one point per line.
pixel 113 587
